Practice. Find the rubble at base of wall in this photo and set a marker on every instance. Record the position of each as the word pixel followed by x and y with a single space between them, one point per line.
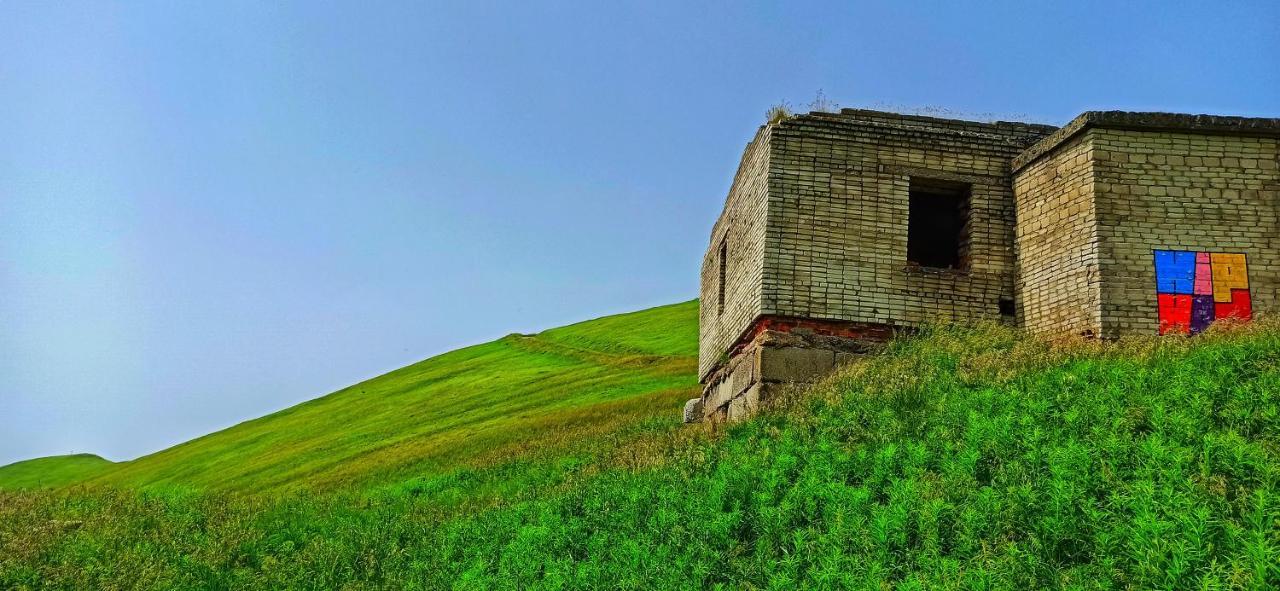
pixel 771 361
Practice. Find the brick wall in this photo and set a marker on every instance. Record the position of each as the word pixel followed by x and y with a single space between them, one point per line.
pixel 1182 191
pixel 1057 242
pixel 1063 222
pixel 741 229
pixel 836 237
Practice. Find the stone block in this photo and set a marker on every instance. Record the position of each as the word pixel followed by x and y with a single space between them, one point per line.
pixel 745 405
pixel 693 410
pixel 794 364
pixel 717 395
pixel 843 359
pixel 741 373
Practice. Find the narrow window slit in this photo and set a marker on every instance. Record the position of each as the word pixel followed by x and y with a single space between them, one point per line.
pixel 724 256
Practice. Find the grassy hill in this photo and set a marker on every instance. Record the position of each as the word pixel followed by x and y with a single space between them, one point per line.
pixel 52 471
pixel 967 457
pixel 517 396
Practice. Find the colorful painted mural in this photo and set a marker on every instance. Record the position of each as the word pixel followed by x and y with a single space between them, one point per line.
pixel 1195 288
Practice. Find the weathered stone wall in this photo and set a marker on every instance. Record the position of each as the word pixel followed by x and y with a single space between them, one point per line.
pixel 741 229
pixel 1182 191
pixel 1057 242
pixel 769 360
pixel 836 245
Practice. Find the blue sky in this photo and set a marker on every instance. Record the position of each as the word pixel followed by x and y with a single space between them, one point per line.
pixel 211 211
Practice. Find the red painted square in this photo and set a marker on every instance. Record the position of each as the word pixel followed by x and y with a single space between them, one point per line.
pixel 1240 307
pixel 1175 313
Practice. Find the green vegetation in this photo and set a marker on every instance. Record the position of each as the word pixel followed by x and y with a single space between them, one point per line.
pixel 516 396
pixel 52 471
pixel 778 113
pixel 962 458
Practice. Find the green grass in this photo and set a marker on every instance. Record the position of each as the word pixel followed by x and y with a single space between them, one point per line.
pixel 517 396
pixel 52 471
pixel 966 457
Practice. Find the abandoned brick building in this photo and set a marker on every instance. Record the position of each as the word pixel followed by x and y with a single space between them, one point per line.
pixel 843 228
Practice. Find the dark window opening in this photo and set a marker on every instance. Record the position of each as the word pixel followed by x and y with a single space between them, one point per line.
pixel 1006 307
pixel 938 224
pixel 724 256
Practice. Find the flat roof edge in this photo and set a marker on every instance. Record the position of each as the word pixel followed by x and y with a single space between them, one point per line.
pixel 850 113
pixel 1149 121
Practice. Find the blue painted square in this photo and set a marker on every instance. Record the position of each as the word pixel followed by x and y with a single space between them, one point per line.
pixel 1175 271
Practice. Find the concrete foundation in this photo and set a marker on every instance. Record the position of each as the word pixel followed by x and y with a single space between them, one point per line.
pixel 776 354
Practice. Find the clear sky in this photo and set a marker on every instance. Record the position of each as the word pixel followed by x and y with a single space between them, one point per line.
pixel 209 211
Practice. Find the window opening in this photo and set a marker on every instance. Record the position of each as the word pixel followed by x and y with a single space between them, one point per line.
pixel 938 224
pixel 1006 307
pixel 724 262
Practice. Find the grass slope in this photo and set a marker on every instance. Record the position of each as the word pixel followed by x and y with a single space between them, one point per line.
pixel 52 471
pixel 963 458
pixel 516 396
